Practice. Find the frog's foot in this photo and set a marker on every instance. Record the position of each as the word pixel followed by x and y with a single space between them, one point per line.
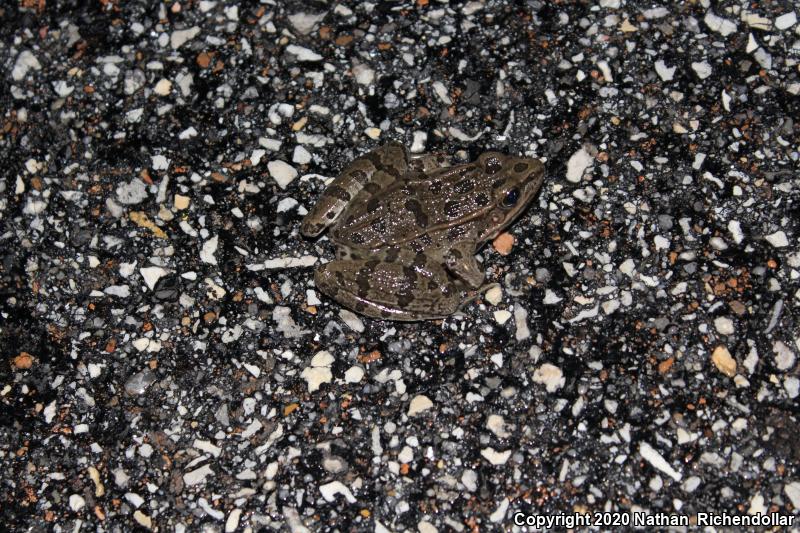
pixel 391 291
pixel 473 295
pixel 460 260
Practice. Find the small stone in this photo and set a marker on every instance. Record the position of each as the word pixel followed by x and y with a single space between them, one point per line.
pixel 198 476
pixel 132 192
pixel 419 404
pixel 139 382
pixel 627 27
pixel 702 69
pixel 233 520
pixel 142 519
pixel 778 239
pixel 550 376
pixel 495 457
pixel 723 360
pixel 784 356
pixel 76 502
pixel 652 456
pixel 23 361
pixel 181 37
pixel 301 156
pixel 503 243
pixel 282 172
pixel 302 53
pixel 792 490
pixel 494 295
pixel 718 24
pixel 786 21
pixel 354 374
pixel 577 164
pixel 24 63
pixel 209 249
pixel 352 321
pixel 163 87
pixel 151 275
pixel 664 72
pixel 304 23
pixel 363 74
pixel 181 202
pixel 502 316
pixel 724 325
pixel 373 133
pixel 469 478
pixel 330 490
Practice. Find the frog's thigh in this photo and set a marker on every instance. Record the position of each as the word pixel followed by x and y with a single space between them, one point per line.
pixel 389 290
pixel 379 166
pixel 429 162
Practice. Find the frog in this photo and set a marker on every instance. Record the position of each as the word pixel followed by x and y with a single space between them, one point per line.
pixel 407 228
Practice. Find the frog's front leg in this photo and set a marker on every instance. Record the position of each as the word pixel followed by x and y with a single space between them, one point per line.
pixel 460 261
pixel 391 288
pixel 369 173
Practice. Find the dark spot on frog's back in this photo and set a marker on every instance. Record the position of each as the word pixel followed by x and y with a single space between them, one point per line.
pixel 481 200
pixel 452 209
pixel 520 167
pixel 420 218
pixel 464 186
pixel 435 187
pixel 372 187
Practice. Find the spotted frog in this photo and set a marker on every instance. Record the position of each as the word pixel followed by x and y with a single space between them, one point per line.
pixel 407 228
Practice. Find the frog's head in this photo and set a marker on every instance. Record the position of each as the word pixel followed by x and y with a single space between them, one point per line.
pixel 514 181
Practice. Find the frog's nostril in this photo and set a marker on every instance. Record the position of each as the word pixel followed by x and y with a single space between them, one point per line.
pixel 520 167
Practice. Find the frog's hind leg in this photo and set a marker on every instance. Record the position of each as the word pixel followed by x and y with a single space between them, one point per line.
pixel 369 173
pixel 428 162
pixel 392 291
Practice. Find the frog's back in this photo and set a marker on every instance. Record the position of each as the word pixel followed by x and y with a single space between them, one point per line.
pixel 426 208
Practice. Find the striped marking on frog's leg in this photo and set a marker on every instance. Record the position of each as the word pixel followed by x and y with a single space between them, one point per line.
pixel 390 291
pixel 428 162
pixel 370 172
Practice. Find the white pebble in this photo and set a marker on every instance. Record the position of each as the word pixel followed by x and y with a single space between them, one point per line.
pixel 354 374
pixel 302 53
pixel 419 404
pixel 76 502
pixel 724 325
pixel 702 69
pixel 550 376
pixel 418 144
pixel 664 72
pixel 650 455
pixel 304 23
pixel 778 239
pixel 301 156
pixel 282 172
pixel 330 490
pixel 24 63
pixel 363 74
pixel 352 321
pixel 736 231
pixel 784 356
pixel 163 87
pixel 718 24
pixel 159 162
pixel 198 476
pixel 495 457
pixel 577 164
pixel 180 37
pixel 209 249
pixel 151 275
pixel 502 316
pixel 786 21
pixel 494 295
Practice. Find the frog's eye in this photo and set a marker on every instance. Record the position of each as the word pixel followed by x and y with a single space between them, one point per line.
pixel 511 198
pixel 493 164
